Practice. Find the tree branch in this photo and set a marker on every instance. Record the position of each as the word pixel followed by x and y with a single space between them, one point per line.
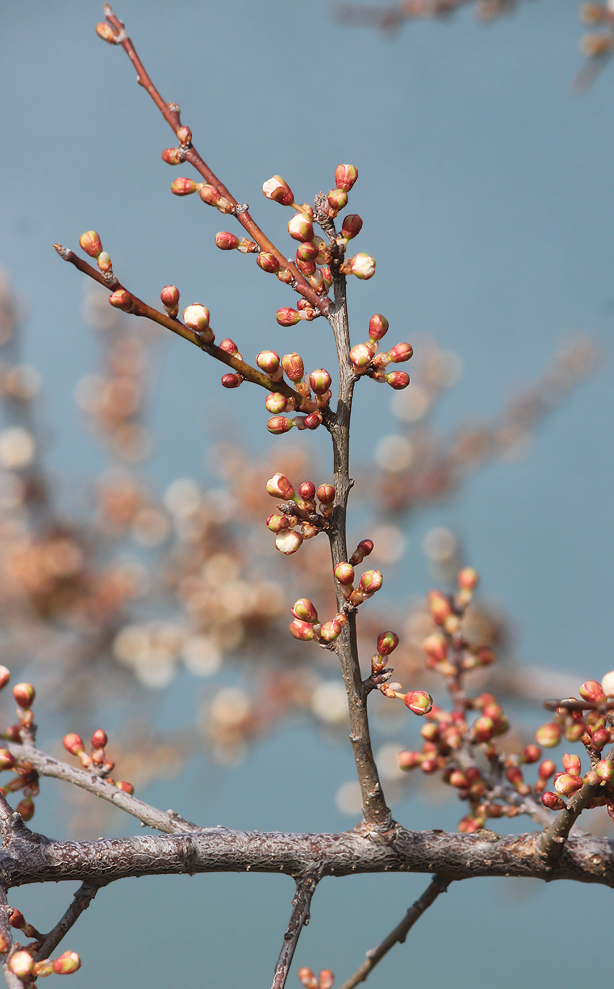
pixel 305 888
pixel 400 932
pixel 83 897
pixel 6 938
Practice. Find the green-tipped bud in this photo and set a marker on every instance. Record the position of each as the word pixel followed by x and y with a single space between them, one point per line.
pixel 549 735
pixel 344 572
pixel 279 425
pixel 337 200
pixel 345 176
pixel 121 299
pixel 276 402
pixel 301 630
pixel 184 187
pixel 305 611
pixel 90 243
pixel 418 701
pixel 24 694
pixel 293 366
pixel 67 963
pixel 592 691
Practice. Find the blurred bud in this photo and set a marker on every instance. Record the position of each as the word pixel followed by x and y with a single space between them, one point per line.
pixel 531 753
pixel 418 701
pixel 457 778
pixel 73 743
pixel 364 548
pixel 345 177
pixel 320 381
pixel 99 739
pixel 305 610
pixel 124 786
pixel 344 572
pixel 307 978
pixel 300 228
pixel 279 424
pixel 268 262
pixel 371 581
pixel 231 380
pixel 326 979
pixel 326 494
pixel 572 764
pixel 552 801
pixel 436 647
pixel 468 578
pixel 409 760
pixel 600 737
pixel 25 809
pixel 387 643
pixel 287 317
pixel 68 962
pixel 288 541
pixel 24 694
pixel 362 265
pixel 173 156
pixel 361 357
pixel 548 735
pixel 378 327
pixel 337 199
pixel 276 402
pixel 351 227
pixel 226 241
pixel 596 45
pixel 121 299
pixel 184 135
pixel 90 243
pixel 21 964
pixel 6 760
pixel 608 684
pixel 547 769
pixel 106 32
pixel 184 187
pixel 5 676
pixel 278 190
pixel 592 13
pixel 104 262
pixel 566 784
pixel 170 297
pixel 397 380
pixel 293 366
pixel 574 732
pixel 279 486
pixel 43 968
pixel 439 607
pixel 592 691
pixel 483 729
pixel 604 769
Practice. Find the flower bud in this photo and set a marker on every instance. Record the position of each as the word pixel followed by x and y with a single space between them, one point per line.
pixel 183 187
pixel 24 694
pixel 210 195
pixel 364 548
pixel 279 424
pixel 547 769
pixel 196 317
pixel 121 299
pixel 307 490
pixel 600 737
pixel 226 241
pixel 278 190
pixel 307 978
pixel 572 764
pixel 566 784
pixel 326 979
pixel 402 352
pixel 300 227
pixel 301 630
pixel 439 607
pixel 378 327
pixel 483 729
pixel 552 801
pixel 305 610
pixel 436 647
pixel 397 380
pixel 307 251
pixel 549 735
pixel 99 739
pixel 170 297
pixel 287 317
pixel 604 769
pixel 6 760
pixel 73 743
pixel 276 402
pixel 106 32
pixel 104 262
pixel 279 486
pixel 184 135
pixel 268 262
pixel 277 522
pixel 531 753
pixel 409 760
pixel 67 963
pixel 5 676
pixel 592 691
pixel 574 732
pixel 371 581
pixel 330 631
pixel 313 420
pixel 288 541
pixel 90 243
pixel 319 381
pixel 337 199
pixel 125 787
pixel 268 361
pixel 173 156
pixel 326 275
pixel 362 265
pixel 351 227
pixel 361 357
pixel 344 572
pixel 231 380
pixel 418 701
pixel 608 684
pixel 326 494
pixel 21 963
pixel 387 643
pixel 345 177
pixel 25 809
pixel 43 968
pixel 293 366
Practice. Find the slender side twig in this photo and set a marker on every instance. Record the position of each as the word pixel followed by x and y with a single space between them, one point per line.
pixel 400 932
pixel 376 813
pixel 299 918
pixel 170 112
pixel 176 326
pixel 6 942
pixel 570 704
pixel 83 897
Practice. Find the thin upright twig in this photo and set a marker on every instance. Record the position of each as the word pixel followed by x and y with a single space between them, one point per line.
pixel 6 942
pixel 83 897
pixel 299 918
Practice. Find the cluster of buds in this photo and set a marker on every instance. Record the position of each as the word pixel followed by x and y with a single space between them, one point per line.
pixel 176 156
pixel 307 626
pixel 370 581
pixel 26 777
pixel 298 517
pixel 96 760
pixel 231 380
pixel 325 980
pixel 418 701
pixel 92 245
pixel 21 962
pixel 596 45
pixel 229 242
pixel 317 382
pixel 366 359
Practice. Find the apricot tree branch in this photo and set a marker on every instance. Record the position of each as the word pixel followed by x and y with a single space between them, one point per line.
pixel 400 932
pixel 6 942
pixel 305 888
pixel 83 897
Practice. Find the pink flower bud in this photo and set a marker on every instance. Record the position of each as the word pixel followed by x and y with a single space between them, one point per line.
pixel 99 739
pixel 196 317
pixel 301 630
pixel 287 317
pixel 548 735
pixel 371 581
pixel 547 769
pixel 439 607
pixel 604 769
pixel 319 381
pixel 293 366
pixel 279 424
pixel 436 647
pixel 397 380
pixel 483 729
pixel 402 352
pixel 307 490
pixel 326 275
pixel 361 357
pixel 210 196
pixel 279 486
pixel 121 299
pixel 337 199
pixel 378 327
pixel 288 541
pixel 326 979
pixel 592 691
pixel 600 737
pixel 173 156
pixel 226 241
pixel 344 572
pixel 24 694
pixel 278 190
pixel 276 402
pixel 183 187
pixel 307 251
pixel 268 360
pixel 330 631
pixel 362 265
pixel 467 578
pixel 73 743
pixel 5 676
pixel 364 548
pixel 531 753
pixel 418 701
pixel 326 494
pixel 231 380
pixel 6 760
pixel 313 420
pixel 268 262
pixel 184 135
pixel 345 177
pixel 305 610
pixel 67 963
pixel 230 347
pixel 307 978
pixel 351 227
pixel 277 522
pixel 572 764
pixel 104 262
pixel 90 242
pixel 409 760
pixel 106 32
pixel 387 643
pixel 552 801
pixel 566 784
pixel 25 809
pixel 17 919
pixel 300 227
pixel 170 297
pixel 21 964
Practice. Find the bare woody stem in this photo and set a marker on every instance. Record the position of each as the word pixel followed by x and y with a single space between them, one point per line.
pixel 376 813
pixel 141 308
pixel 400 932
pixel 6 934
pixel 305 888
pixel 172 118
pixel 83 897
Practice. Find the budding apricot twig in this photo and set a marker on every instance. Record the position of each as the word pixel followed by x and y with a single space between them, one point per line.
pixel 299 918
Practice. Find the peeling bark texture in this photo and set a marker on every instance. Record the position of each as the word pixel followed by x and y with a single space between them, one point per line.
pixel 452 856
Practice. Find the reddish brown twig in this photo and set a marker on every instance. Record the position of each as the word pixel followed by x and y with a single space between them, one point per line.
pixel 83 897
pixel 305 888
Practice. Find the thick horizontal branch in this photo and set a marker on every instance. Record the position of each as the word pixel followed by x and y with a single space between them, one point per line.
pixel 452 856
